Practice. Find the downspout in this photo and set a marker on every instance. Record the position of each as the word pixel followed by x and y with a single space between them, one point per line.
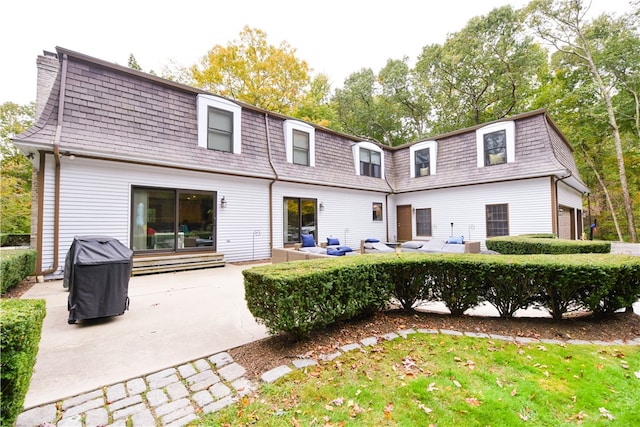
pixel 56 156
pixel 266 126
pixel 555 183
pixel 386 203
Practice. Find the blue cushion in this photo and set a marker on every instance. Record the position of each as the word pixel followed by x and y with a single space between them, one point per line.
pixel 459 240
pixel 344 249
pixel 372 241
pixel 333 241
pixel 307 241
pixel 335 252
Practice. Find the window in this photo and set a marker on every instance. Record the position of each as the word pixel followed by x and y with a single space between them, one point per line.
pixel 166 219
pixel 495 148
pixel 423 222
pixel 300 217
pixel 423 159
pixel 497 220
pixel 219 124
pixel 495 144
pixel 370 162
pixel 377 211
pixel 300 148
pixel 368 159
pixel 299 138
pixel 220 130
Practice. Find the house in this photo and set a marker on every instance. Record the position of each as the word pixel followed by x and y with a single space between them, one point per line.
pixel 170 169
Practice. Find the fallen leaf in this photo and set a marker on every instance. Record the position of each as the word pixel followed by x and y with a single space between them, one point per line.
pixel 337 402
pixel 523 417
pixel 546 374
pixel 424 408
pixel 542 348
pixel 387 410
pixel 473 401
pixel 514 392
pixel 471 364
pixel 432 387
pixel 457 384
pixel 600 366
pixel 457 359
pixel 499 383
pixel 624 365
pixel 328 407
pixel 637 374
pixel 606 414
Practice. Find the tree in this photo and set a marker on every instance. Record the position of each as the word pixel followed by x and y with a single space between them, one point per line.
pixel 363 111
pixel 16 170
pixel 253 71
pixel 564 26
pixel 133 63
pixel 486 71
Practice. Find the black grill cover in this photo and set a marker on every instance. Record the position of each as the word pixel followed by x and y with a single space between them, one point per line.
pixel 97 271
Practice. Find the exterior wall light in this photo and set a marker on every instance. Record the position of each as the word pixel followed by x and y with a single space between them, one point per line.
pixel 223 202
pixel 321 207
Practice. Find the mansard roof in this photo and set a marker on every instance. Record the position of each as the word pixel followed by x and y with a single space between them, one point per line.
pixel 114 112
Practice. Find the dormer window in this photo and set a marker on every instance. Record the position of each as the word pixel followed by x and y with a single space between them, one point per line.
pixel 219 124
pixel 368 159
pixel 423 159
pixel 299 138
pixel 495 144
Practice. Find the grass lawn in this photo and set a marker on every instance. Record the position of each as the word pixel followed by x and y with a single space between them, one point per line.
pixel 444 380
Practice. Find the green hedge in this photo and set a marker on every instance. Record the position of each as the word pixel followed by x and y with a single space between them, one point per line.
pixel 14 239
pixel 545 244
pixel 20 329
pixel 15 265
pixel 297 297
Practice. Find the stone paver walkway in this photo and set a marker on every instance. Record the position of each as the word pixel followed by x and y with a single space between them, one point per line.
pixel 179 395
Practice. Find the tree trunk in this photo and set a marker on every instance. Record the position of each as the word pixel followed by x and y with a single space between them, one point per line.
pixel 618 143
pixel 606 195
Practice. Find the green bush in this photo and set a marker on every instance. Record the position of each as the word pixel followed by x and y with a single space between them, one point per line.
pixel 297 297
pixel 20 329
pixel 543 244
pixel 14 239
pixel 15 265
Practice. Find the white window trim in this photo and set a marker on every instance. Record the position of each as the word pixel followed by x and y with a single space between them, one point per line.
pixel 369 146
pixel 433 156
pixel 291 125
pixel 206 101
pixel 509 127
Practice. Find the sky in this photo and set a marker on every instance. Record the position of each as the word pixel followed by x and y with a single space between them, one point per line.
pixel 335 37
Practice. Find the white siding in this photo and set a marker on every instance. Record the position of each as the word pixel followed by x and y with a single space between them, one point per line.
pixel 529 208
pixel 567 196
pixel 347 214
pixel 96 197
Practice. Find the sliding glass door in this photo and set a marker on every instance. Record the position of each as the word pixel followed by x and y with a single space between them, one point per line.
pixel 166 219
pixel 300 217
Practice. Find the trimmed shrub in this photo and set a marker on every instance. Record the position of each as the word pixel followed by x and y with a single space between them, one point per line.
pixel 455 280
pixel 297 297
pixel 20 329
pixel 15 265
pixel 542 244
pixel 511 283
pixel 14 239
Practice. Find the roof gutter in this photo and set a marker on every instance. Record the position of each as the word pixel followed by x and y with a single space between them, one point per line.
pixel 56 156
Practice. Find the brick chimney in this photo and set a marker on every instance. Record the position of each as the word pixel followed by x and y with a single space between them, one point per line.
pixel 48 68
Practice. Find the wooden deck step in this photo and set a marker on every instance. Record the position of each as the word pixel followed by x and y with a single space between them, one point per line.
pixel 175 262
